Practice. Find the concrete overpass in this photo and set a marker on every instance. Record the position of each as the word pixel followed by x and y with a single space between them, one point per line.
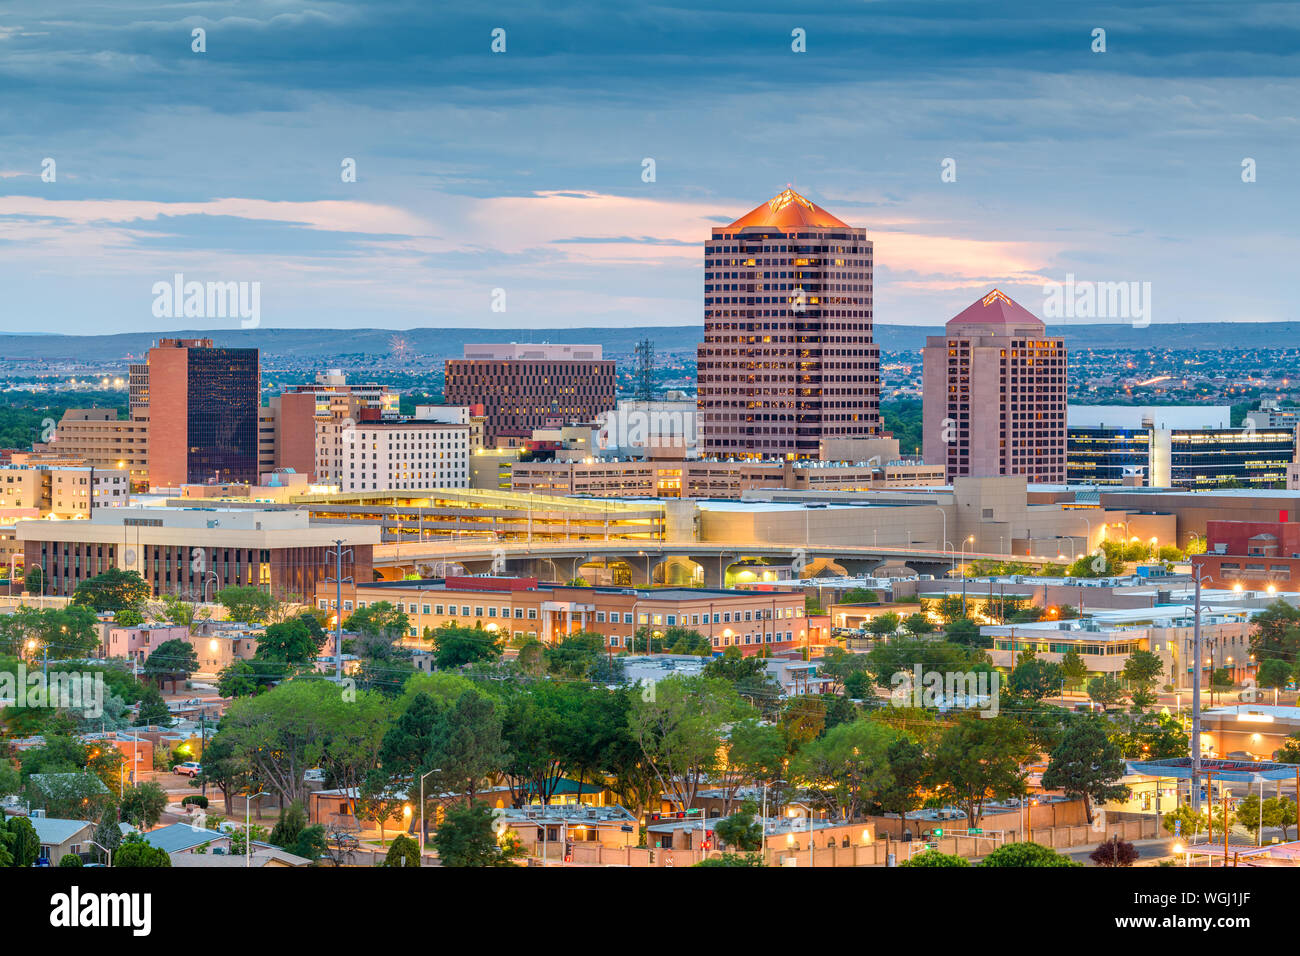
pixel 702 563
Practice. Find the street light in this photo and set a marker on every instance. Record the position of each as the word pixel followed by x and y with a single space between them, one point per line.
pixel 970 539
pixel 104 848
pixel 434 770
pixel 248 826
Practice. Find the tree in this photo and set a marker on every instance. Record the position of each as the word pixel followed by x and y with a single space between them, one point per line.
pixel 577 656
pixel 245 603
pixel 107 833
pixel 24 844
pixel 128 617
pixel 859 596
pixel 182 612
pixel 848 769
pixel 1143 670
pixel 34 581
pixel 935 858
pixel 70 859
pixel 1027 854
pixel 902 655
pixel 741 830
pixel 135 852
pixel 172 661
pixel 153 709
pixel 456 646
pixel 979 759
pixel 965 632
pixel 290 643
pixel 1106 691
pixel 917 625
pixel 1277 812
pixel 1073 668
pixel 288 828
pixel 311 843
pixel 403 851
pixel 301 724
pixel 1289 752
pixel 1087 764
pixel 908 767
pixel 467 837
pixel 1220 682
pixel 1275 632
pixel 733 859
pixel 143 804
pixel 1274 673
pixel 749 676
pixel 241 678
pixel 883 624
pixel 1034 678
pixel 1193 824
pixel 114 590
pixel 379 626
pixel 679 727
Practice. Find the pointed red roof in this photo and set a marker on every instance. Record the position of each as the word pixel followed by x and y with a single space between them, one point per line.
pixel 788 210
pixel 997 309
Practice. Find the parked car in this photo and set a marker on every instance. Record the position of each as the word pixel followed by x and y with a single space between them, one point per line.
pixel 189 768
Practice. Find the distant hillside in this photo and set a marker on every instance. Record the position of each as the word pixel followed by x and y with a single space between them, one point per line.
pixel 437 344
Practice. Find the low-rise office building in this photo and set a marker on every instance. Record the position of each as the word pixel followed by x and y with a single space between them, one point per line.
pixel 193 551
pixel 1105 641
pixel 1178 446
pixel 520 608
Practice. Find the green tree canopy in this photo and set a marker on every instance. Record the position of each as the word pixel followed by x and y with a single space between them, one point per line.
pixel 114 590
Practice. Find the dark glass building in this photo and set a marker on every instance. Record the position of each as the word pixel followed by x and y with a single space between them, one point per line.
pixel 203 410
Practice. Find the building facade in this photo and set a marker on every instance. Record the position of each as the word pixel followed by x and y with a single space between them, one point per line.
pixel 520 608
pixel 1255 555
pixel 194 552
pixel 994 397
pixel 1175 446
pixel 97 437
pixel 204 407
pixel 788 356
pixel 523 387
pixel 684 478
pixel 60 491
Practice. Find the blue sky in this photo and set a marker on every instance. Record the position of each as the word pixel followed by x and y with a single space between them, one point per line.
pixel 522 171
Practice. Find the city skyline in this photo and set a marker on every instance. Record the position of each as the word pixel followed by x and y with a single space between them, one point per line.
pixel 522 171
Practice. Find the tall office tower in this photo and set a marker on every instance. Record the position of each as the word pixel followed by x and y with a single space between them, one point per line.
pixel 522 387
pixel 203 412
pixel 994 399
pixel 788 358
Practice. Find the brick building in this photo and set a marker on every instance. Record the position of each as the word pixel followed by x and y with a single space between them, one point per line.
pixel 788 356
pixel 523 387
pixel 994 401
pixel 204 407
pixel 1253 554
pixel 519 608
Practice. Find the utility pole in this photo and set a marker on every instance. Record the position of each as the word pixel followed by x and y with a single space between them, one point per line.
pixel 645 353
pixel 338 607
pixel 1196 696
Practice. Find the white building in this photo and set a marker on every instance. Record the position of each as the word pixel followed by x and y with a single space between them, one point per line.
pixel 399 455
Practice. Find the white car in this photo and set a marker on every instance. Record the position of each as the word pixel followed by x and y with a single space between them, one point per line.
pixel 189 768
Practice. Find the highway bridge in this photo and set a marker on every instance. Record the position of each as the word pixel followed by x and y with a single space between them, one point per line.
pixel 701 563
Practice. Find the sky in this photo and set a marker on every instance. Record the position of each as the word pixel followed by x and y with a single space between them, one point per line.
pixel 522 172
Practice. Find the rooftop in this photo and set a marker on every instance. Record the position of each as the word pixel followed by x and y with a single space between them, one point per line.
pixel 788 211
pixel 995 309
